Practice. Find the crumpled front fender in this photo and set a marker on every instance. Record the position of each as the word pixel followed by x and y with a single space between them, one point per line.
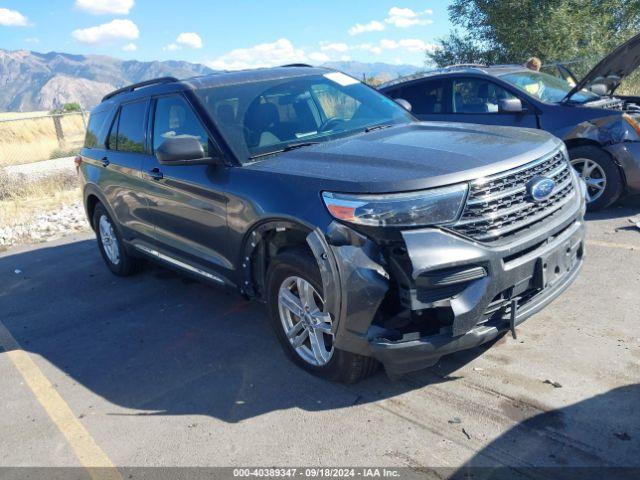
pixel 354 282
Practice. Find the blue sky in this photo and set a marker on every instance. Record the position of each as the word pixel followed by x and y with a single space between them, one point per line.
pixel 228 34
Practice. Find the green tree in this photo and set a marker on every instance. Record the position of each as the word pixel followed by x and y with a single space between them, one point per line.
pixel 510 31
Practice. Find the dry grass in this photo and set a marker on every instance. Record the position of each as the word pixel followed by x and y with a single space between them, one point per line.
pixel 18 187
pixel 17 211
pixel 32 211
pixel 34 139
pixel 12 115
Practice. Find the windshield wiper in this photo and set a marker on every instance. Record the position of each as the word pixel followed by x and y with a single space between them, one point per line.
pixel 286 148
pixel 377 127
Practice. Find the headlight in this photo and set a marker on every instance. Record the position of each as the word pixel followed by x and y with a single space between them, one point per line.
pixel 426 207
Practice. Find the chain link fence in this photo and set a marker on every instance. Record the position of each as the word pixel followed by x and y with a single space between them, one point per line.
pixel 33 138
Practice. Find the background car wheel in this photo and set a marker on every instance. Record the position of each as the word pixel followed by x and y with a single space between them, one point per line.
pixel 111 245
pixel 602 175
pixel 296 309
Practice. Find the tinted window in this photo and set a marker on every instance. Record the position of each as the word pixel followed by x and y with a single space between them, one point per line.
pixel 474 95
pixel 425 97
pixel 94 136
pixel 130 129
pixel 175 118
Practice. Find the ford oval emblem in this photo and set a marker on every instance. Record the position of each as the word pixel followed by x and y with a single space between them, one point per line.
pixel 540 188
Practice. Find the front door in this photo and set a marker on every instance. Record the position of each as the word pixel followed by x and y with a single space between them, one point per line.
pixel 476 100
pixel 185 203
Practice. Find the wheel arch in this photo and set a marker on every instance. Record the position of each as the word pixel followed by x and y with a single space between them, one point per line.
pixel 92 196
pixel 262 242
pixel 586 142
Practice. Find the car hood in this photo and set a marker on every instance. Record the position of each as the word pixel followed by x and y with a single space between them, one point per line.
pixel 412 156
pixel 613 68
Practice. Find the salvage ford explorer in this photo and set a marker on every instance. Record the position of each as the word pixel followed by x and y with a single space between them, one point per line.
pixel 371 237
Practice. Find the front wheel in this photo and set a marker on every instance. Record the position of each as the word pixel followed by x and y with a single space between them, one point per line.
pixel 600 173
pixel 303 327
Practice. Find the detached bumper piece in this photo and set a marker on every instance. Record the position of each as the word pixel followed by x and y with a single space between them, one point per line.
pixel 470 293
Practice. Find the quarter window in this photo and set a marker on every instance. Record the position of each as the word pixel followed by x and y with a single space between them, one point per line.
pixel 474 95
pixel 127 132
pixel 94 137
pixel 425 97
pixel 175 118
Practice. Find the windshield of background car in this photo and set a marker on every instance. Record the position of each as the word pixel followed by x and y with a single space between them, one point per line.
pixel 546 87
pixel 261 117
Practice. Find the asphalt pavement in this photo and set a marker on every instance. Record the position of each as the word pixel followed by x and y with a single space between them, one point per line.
pixel 160 370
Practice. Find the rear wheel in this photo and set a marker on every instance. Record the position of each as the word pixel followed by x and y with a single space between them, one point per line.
pixel 111 246
pixel 303 327
pixel 600 173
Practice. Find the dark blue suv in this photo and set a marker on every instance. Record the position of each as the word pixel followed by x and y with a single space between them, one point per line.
pixel 601 131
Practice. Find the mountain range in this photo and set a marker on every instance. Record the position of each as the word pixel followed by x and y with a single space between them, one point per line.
pixel 32 81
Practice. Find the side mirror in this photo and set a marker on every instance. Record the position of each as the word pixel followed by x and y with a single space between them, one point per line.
pixel 510 105
pixel 181 151
pixel 599 89
pixel 403 103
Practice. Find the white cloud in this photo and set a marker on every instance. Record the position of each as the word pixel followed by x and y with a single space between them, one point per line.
pixel 345 58
pixel 185 40
pixel 32 40
pixel 101 7
pixel 411 45
pixel 107 32
pixel 372 26
pixel 189 39
pixel 279 52
pixel 405 17
pixel 130 47
pixel 333 47
pixel 12 18
pixel 369 47
pixel 319 57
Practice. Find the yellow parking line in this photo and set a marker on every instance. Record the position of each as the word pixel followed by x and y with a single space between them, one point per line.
pixel 622 246
pixel 91 456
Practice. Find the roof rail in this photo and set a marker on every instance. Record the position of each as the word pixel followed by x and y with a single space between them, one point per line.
pixel 464 65
pixel 135 86
pixel 306 65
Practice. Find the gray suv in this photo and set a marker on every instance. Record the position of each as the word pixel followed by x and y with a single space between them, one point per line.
pixel 371 237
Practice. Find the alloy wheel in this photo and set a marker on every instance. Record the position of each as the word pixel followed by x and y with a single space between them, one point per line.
pixel 593 175
pixel 307 327
pixel 109 240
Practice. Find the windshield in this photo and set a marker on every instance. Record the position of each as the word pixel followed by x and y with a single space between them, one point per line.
pixel 269 116
pixel 546 87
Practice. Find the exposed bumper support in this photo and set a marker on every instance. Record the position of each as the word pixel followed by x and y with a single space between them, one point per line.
pixel 403 357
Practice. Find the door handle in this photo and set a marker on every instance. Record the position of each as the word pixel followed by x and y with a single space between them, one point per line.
pixel 155 174
pixel 105 162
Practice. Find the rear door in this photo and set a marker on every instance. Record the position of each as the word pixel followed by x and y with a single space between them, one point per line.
pixel 428 98
pixel 476 100
pixel 121 163
pixel 186 204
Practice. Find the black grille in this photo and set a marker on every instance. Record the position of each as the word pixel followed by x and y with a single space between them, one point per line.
pixel 500 205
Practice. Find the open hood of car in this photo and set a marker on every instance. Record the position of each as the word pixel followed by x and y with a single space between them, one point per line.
pixel 612 69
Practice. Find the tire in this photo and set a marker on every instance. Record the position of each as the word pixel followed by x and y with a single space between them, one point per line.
pixel 596 166
pixel 336 365
pixel 111 246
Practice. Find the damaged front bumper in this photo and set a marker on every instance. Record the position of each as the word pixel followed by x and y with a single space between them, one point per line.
pixel 436 292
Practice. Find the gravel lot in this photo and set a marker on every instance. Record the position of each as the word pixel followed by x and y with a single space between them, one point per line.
pixel 160 370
